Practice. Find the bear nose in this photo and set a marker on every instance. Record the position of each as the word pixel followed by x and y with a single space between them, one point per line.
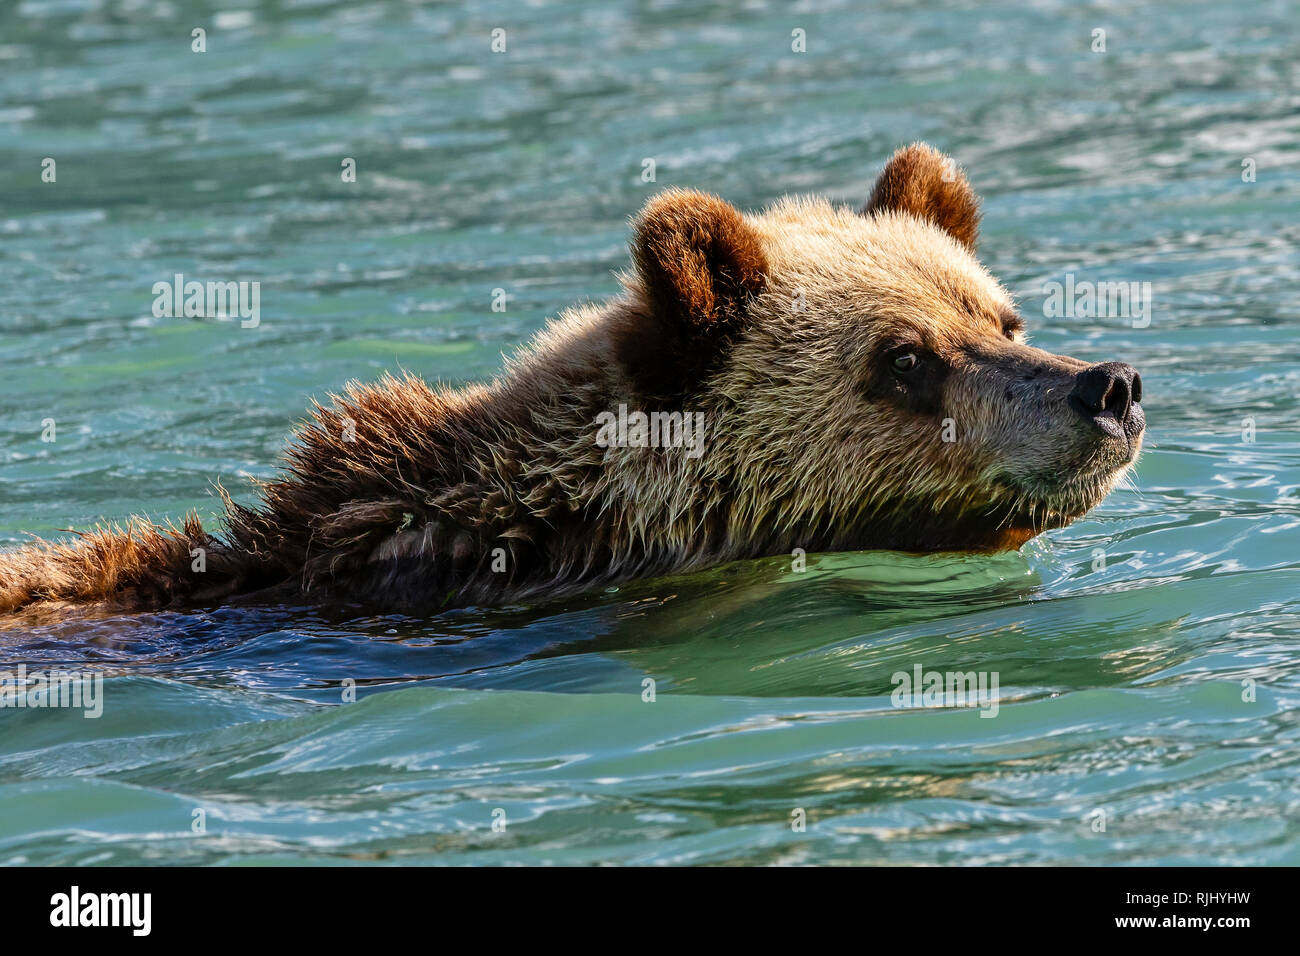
pixel 1113 387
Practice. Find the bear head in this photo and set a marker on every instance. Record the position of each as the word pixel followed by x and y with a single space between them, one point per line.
pixel 867 382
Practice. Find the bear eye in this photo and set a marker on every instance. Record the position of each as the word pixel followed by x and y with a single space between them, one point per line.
pixel 905 362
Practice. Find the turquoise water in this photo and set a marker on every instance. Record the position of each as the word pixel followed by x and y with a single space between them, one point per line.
pixel 1121 669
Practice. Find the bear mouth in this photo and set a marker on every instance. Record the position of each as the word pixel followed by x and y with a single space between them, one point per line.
pixel 1039 501
pixel 1014 510
pixel 1007 510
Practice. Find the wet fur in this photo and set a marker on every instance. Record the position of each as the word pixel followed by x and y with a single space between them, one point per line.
pixel 773 325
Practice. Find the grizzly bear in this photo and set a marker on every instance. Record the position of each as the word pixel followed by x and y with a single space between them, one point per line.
pixel 811 376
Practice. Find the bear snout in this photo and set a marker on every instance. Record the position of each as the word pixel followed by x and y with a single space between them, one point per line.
pixel 1108 397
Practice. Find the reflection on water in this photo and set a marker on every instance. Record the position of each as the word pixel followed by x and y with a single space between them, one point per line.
pixel 1146 656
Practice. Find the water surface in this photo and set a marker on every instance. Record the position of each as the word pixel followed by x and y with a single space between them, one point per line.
pixel 1121 643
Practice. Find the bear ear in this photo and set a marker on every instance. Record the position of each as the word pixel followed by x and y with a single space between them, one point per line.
pixel 698 267
pixel 920 180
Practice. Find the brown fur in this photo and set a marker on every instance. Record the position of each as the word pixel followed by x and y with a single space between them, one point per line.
pixel 700 265
pixel 921 181
pixel 778 327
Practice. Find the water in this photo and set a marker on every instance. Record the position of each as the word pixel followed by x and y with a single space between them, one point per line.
pixel 1121 686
